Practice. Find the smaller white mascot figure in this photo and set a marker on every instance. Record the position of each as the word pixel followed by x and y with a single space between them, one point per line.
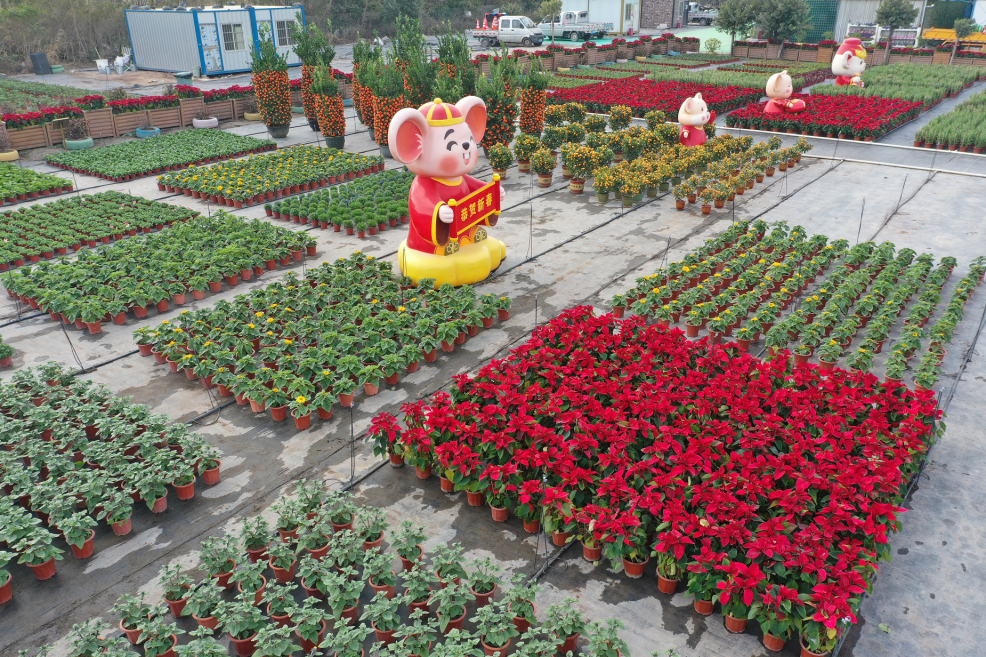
pixel 849 64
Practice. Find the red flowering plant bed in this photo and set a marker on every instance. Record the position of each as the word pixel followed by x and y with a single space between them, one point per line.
pixel 766 487
pixel 46 115
pixel 142 103
pixel 645 95
pixel 863 118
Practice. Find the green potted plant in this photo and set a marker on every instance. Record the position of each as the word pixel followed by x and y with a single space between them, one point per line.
pixel 310 623
pixel 483 581
pixel 566 622
pixel 543 163
pixel 159 638
pixel 37 552
pixel 500 159
pixel 218 555
pixel 275 641
pixel 132 611
pixel 203 645
pixel 347 641
pixel 250 582
pixel 84 639
pixel 242 621
pixel 202 604
pixel 450 604
pixel 495 627
pixel 79 533
pixel 407 541
pixel 383 615
pixel 176 587
pixel 604 639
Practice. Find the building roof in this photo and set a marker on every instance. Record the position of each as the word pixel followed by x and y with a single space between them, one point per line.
pixel 942 34
pixel 215 8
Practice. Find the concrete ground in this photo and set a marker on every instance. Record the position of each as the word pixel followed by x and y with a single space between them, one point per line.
pixel 563 250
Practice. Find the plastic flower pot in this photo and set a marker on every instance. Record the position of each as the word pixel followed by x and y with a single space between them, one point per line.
pixel 568 645
pixel 288 535
pixel 386 638
pixel 258 595
pixel 500 514
pixel 85 551
pixel 634 570
pixel 176 606
pixel 773 643
pixel 133 636
pixel 245 647
pixel 210 622
pixel 665 585
pixel 532 527
pixel 735 625
pixel 211 477
pixel 283 575
pixel 475 498
pixel 560 538
pixel 160 504
pixel 6 593
pixel 704 607
pixel 303 422
pixel 45 570
pixel 594 553
pixel 423 473
pixel 430 356
pixel 324 414
pixel 371 389
pixel 447 485
pixel 349 615
pixel 309 646
pixel 408 564
pixel 345 400
pixel 122 528
pixel 807 653
pixel 94 327
pixel 396 461
pixel 185 492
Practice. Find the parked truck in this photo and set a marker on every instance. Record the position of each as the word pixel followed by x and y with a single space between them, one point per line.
pixel 701 15
pixel 511 30
pixel 575 25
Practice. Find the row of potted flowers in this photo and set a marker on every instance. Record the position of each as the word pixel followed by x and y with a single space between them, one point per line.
pixel 73 454
pixel 636 441
pixel 645 95
pixel 146 157
pixel 19 184
pixel 360 206
pixel 262 178
pixel 149 271
pixel 444 609
pixel 303 345
pixel 51 229
pixel 845 116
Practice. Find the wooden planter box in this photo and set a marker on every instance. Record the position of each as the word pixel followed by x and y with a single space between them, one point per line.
pixel 346 89
pixel 742 51
pixel 899 59
pixel 921 59
pixel 239 104
pixel 33 136
pixel 823 55
pixel 790 54
pixel 524 63
pixel 978 62
pixel 100 123
pixel 593 56
pixel 758 52
pixel 941 58
pixel 567 61
pixel 221 109
pixel 296 100
pixel 165 117
pixel 645 49
pixel 189 106
pixel 773 50
pixel 54 135
pixel 963 61
pixel 806 55
pixel 129 121
pixel 609 55
pixel 548 63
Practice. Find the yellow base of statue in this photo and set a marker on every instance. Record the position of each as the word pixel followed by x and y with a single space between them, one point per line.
pixel 469 264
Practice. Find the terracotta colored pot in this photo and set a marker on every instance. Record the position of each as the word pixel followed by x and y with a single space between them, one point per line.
pixel 185 492
pixel 160 504
pixel 85 551
pixel 491 651
pixel 396 461
pixel 176 606
pixel 133 636
pixel 475 498
pixel 283 575
pixel 665 585
pixel 5 591
pixel 390 591
pixel 386 638
pixel 258 595
pixel 370 545
pixel 312 593
pixel 568 645
pixel 807 653
pixel 410 563
pixel 210 622
pixel 245 647
pixel 423 473
pixel 279 413
pixel 455 623
pixel 447 485
pixel 483 599
pixel 44 571
pixel 704 607
pixel 521 623
pixel 211 477
pixel 773 643
pixel 532 527
pixel 735 625
pixel 500 514
pixel 634 570
pixel 309 646
pixel 560 538
pixel 592 553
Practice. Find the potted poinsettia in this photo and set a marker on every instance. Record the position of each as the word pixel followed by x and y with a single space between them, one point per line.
pixel 779 612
